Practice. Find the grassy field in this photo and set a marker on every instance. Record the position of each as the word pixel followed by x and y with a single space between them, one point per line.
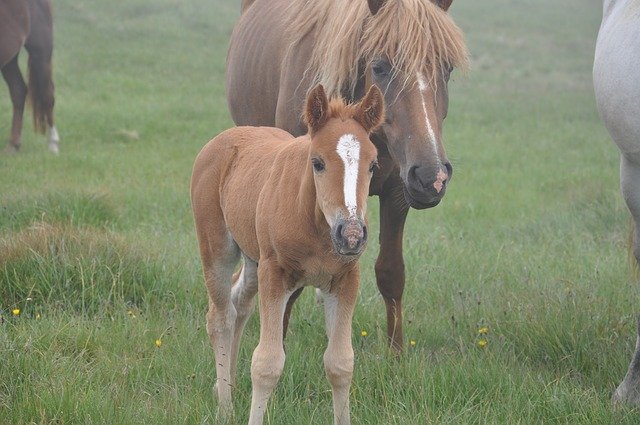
pixel 98 251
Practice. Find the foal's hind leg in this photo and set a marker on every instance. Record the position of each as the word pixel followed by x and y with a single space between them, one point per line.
pixel 219 260
pixel 629 390
pixel 243 295
pixel 18 92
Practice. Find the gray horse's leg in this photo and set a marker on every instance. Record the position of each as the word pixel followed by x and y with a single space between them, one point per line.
pixel 629 390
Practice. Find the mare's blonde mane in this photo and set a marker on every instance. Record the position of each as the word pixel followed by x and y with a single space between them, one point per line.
pixel 416 36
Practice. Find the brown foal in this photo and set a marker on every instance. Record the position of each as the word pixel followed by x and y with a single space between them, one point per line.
pixel 294 209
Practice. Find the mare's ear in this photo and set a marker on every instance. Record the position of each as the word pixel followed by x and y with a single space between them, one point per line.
pixel 444 4
pixel 375 5
pixel 317 109
pixel 370 110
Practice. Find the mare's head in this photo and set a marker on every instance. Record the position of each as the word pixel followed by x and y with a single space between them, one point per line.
pixel 342 159
pixel 408 48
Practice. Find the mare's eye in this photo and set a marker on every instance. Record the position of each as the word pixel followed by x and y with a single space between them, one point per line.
pixel 373 165
pixel 380 69
pixel 318 165
pixel 448 70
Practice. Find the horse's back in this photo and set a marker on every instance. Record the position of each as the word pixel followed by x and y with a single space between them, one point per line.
pixel 258 79
pixel 14 28
pixel 616 74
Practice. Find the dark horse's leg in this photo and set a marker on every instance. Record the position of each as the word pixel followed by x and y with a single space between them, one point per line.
pixel 18 93
pixel 39 44
pixel 390 263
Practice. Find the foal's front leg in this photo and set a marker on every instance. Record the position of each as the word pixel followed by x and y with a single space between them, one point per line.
pixel 338 358
pixel 268 357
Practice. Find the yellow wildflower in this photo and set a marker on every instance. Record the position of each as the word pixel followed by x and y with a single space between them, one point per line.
pixel 158 342
pixel 16 312
pixel 363 333
pixel 131 314
pixel 483 330
pixel 38 316
pixel 412 342
pixel 482 343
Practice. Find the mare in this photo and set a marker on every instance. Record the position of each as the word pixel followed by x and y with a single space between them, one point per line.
pixel 281 48
pixel 616 80
pixel 28 23
pixel 294 209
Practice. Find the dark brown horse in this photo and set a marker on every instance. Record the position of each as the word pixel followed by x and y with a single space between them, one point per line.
pixel 408 48
pixel 28 23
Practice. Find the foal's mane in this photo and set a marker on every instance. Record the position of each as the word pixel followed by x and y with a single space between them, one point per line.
pixel 416 35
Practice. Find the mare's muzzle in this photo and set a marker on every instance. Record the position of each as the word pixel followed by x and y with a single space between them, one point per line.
pixel 425 186
pixel 349 236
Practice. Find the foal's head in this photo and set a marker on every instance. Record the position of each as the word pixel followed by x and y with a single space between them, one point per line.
pixel 343 158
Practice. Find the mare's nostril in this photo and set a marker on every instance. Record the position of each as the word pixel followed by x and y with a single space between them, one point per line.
pixel 339 231
pixel 364 234
pixel 449 169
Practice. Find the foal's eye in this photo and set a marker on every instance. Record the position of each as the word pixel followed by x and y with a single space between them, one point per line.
pixel 318 165
pixel 373 165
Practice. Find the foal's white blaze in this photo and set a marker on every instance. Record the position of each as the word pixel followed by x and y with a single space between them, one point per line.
pixel 349 151
pixel 422 85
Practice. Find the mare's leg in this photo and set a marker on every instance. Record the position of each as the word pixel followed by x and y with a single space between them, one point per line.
pixel 243 295
pixel 268 357
pixel 18 92
pixel 338 358
pixel 390 263
pixel 629 390
pixel 219 258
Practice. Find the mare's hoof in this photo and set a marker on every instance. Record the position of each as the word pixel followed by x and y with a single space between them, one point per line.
pixel 10 149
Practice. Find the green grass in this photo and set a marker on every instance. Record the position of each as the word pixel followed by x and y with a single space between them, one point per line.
pixel 98 251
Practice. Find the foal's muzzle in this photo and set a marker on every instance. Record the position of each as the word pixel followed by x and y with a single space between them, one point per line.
pixel 349 236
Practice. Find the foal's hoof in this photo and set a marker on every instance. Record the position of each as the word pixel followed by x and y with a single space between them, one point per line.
pixel 626 394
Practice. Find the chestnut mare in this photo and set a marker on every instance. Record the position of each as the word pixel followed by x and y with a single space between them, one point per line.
pixel 408 48
pixel 616 80
pixel 294 208
pixel 28 23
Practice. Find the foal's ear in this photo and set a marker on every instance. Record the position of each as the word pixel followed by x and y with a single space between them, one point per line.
pixel 370 110
pixel 444 4
pixel 375 5
pixel 317 109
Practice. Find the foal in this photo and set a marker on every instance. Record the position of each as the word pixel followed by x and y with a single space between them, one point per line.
pixel 294 209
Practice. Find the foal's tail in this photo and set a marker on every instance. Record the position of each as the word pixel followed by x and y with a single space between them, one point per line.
pixel 41 91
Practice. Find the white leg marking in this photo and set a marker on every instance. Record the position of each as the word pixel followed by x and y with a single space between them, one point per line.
pixel 422 85
pixel 54 139
pixel 349 151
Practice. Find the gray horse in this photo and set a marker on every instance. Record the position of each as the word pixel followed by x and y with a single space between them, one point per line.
pixel 616 80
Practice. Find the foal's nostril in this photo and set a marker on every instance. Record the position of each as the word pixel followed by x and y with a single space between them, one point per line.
pixel 364 233
pixel 339 231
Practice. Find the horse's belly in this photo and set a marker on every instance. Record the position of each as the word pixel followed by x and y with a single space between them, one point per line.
pixel 616 76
